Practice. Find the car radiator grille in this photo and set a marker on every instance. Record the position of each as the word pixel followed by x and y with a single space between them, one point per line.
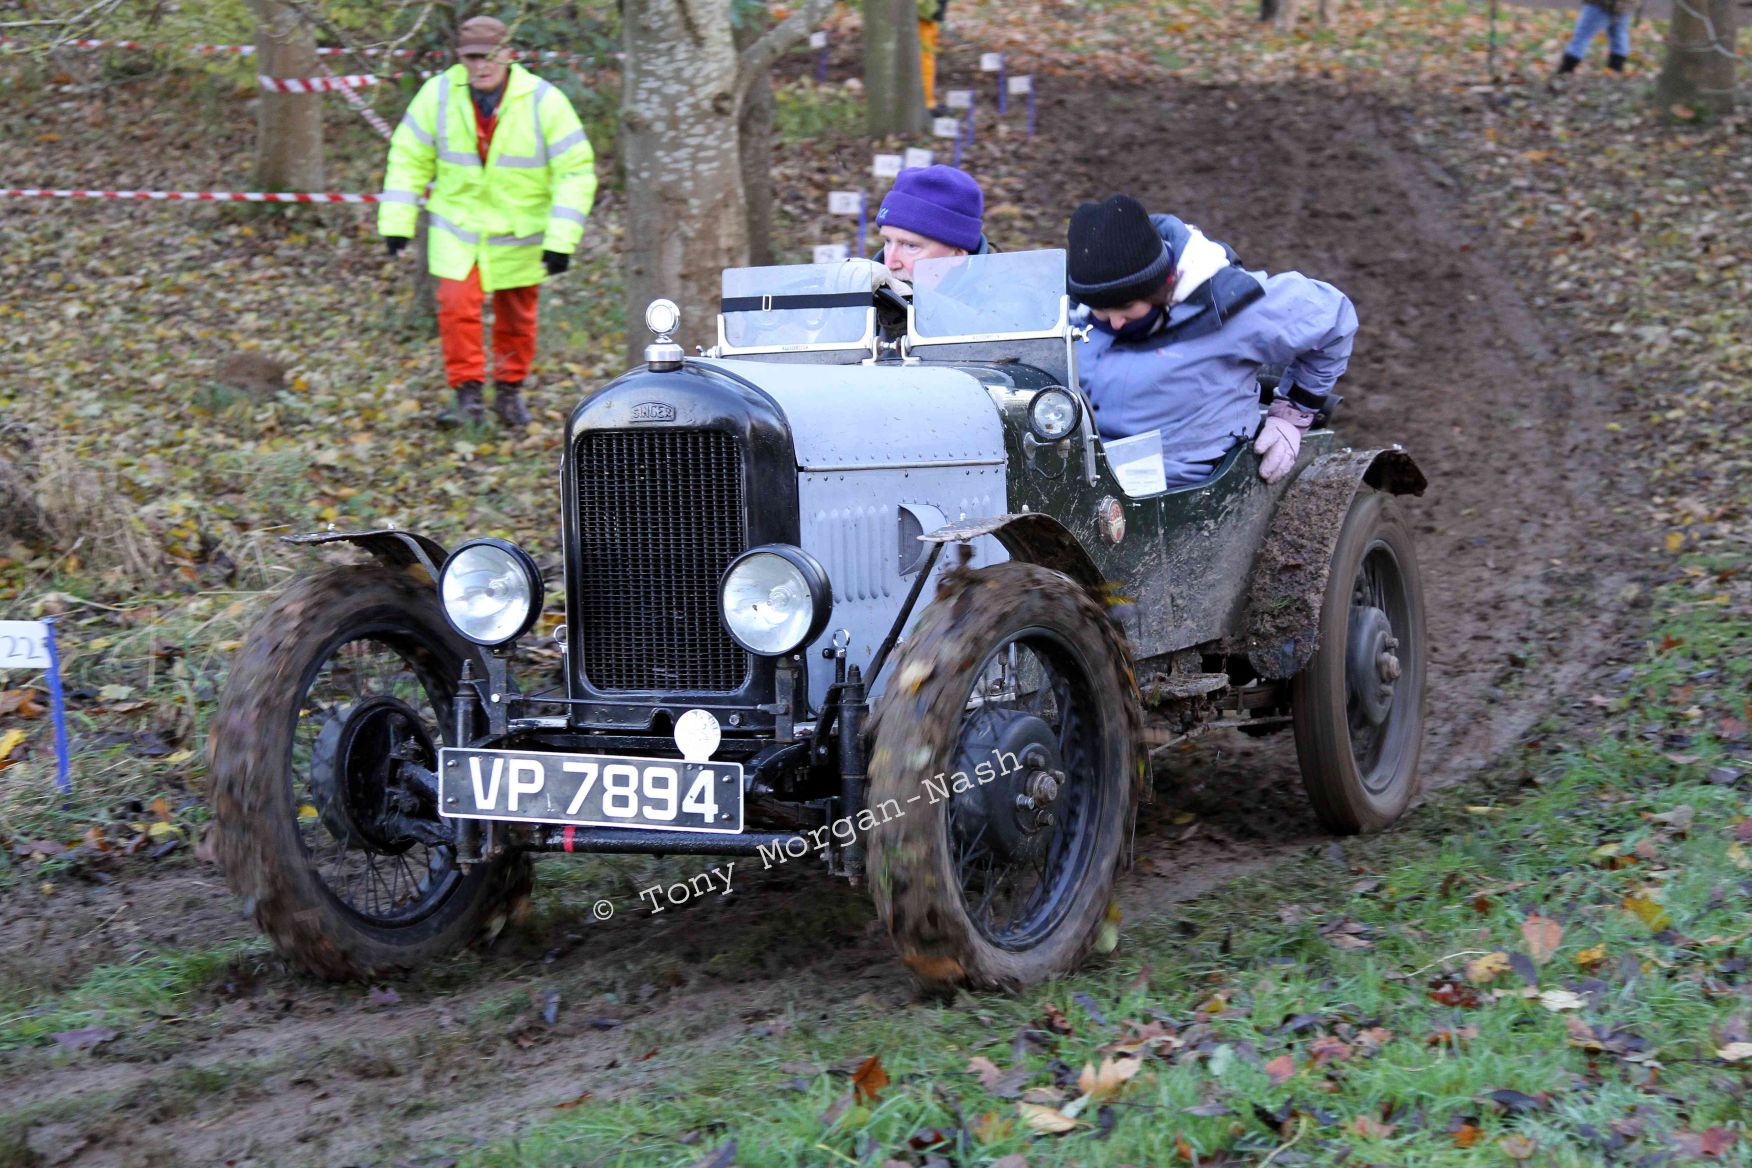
pixel 660 517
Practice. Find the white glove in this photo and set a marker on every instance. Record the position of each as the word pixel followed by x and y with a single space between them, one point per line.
pixel 863 273
pixel 1280 441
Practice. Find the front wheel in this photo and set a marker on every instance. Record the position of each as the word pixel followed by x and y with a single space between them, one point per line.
pixel 1358 705
pixel 325 827
pixel 1004 774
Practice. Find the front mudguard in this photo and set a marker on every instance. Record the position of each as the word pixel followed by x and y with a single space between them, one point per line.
pixel 391 547
pixel 1280 628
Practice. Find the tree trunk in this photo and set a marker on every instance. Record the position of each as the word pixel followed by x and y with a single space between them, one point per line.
pixel 894 91
pixel 288 125
pixel 1699 69
pixel 756 130
pixel 686 214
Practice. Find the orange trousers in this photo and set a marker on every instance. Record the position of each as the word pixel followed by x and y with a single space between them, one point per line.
pixel 928 30
pixel 459 330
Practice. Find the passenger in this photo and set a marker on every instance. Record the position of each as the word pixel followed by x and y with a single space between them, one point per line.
pixel 1180 331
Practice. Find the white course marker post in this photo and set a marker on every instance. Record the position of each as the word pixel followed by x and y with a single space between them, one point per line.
pixel 994 63
pixel 1025 84
pixel 818 41
pixel 916 157
pixel 31 645
pixel 848 203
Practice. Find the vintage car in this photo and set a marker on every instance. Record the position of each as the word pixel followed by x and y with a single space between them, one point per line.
pixel 874 599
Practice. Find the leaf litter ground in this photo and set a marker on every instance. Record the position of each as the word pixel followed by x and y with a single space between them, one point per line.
pixel 1536 332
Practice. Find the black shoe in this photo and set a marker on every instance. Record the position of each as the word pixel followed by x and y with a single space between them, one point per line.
pixel 470 407
pixel 1565 66
pixel 508 403
pixel 1615 63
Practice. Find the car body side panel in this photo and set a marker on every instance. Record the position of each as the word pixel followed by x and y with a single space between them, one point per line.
pixel 851 521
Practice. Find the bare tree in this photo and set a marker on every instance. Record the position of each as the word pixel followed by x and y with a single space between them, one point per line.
pixel 288 125
pixel 682 99
pixel 894 90
pixel 1699 69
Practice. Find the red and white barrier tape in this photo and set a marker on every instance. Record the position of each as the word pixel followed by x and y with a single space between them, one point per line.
pixel 324 51
pixel 193 196
pixel 364 108
pixel 331 84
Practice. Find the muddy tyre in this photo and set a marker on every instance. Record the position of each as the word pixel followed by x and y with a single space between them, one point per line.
pixel 1003 878
pixel 1358 705
pixel 339 856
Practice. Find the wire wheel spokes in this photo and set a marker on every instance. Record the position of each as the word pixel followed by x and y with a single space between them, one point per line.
pixel 1021 836
pixel 372 701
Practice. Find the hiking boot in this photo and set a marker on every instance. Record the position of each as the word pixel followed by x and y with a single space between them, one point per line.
pixel 1615 63
pixel 470 407
pixel 1564 67
pixel 508 403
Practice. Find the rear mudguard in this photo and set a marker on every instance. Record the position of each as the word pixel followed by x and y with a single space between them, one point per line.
pixel 393 548
pixel 1280 628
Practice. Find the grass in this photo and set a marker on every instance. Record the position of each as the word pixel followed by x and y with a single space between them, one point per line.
pixel 1388 1003
pixel 153 986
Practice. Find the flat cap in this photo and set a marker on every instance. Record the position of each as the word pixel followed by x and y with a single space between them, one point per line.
pixel 480 32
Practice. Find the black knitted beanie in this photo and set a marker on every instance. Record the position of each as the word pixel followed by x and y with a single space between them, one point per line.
pixel 1115 254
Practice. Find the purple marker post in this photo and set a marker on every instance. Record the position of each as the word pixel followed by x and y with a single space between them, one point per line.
pixel 58 705
pixel 1031 111
pixel 821 66
pixel 863 202
pixel 1002 103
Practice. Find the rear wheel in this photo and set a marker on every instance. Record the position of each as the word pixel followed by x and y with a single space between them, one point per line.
pixel 1358 705
pixel 1003 778
pixel 322 752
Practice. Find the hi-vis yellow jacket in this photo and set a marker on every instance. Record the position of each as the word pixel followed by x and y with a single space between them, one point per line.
pixel 531 196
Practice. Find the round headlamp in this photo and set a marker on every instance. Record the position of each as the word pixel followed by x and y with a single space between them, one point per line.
pixel 775 599
pixel 1053 413
pixel 491 591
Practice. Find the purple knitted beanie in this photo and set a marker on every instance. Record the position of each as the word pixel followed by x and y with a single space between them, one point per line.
pixel 938 202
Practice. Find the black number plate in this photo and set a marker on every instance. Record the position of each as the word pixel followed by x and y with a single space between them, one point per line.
pixel 593 790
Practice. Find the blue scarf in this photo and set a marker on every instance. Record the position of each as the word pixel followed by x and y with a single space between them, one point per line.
pixel 1135 330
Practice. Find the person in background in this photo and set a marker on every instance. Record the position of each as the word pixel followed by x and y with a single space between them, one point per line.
pixel 512 178
pixel 931 13
pixel 1611 15
pixel 1180 330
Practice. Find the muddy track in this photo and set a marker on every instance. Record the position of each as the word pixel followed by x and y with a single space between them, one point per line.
pixel 1518 546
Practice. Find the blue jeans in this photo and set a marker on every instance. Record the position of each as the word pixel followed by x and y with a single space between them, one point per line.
pixel 1588 26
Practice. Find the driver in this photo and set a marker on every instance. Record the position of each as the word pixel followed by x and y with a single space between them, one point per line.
pixel 1180 331
pixel 931 211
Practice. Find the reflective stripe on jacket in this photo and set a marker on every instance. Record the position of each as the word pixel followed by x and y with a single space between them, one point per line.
pixel 531 195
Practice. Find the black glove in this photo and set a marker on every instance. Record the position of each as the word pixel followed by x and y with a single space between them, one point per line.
pixel 555 262
pixel 395 243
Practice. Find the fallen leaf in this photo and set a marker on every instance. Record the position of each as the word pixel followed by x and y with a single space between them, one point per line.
pixel 1648 910
pixel 1280 1069
pixel 1543 935
pixel 10 741
pixel 1113 1074
pixel 1465 1135
pixel 1371 1129
pixel 1328 1049
pixel 869 1079
pixel 1556 1000
pixel 1735 1052
pixel 1518 1147
pixel 1484 970
pixel 1050 1120
pixel 1591 956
